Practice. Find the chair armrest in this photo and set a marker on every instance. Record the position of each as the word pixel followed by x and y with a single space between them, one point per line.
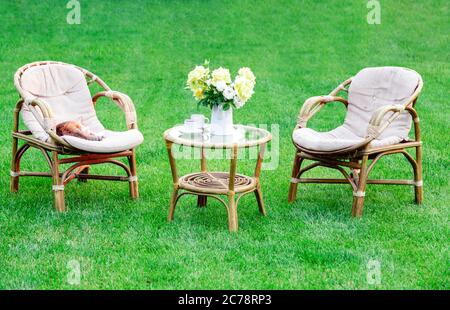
pixel 43 106
pixel 378 115
pixel 313 105
pixel 46 119
pixel 377 126
pixel 125 104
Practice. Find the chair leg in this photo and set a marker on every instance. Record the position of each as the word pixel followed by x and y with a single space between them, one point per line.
pixel 173 203
pixel 232 214
pixel 134 191
pixel 418 188
pixel 295 170
pixel 58 186
pixel 358 197
pixel 15 165
pixel 14 180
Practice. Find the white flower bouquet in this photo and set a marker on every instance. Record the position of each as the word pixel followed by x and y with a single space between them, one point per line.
pixel 216 89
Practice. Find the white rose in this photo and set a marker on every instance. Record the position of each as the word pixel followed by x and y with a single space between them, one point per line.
pixel 221 75
pixel 244 88
pixel 197 76
pixel 228 93
pixel 221 85
pixel 247 73
pixel 196 81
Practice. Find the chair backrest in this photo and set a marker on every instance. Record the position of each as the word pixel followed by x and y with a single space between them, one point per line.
pixel 373 88
pixel 64 88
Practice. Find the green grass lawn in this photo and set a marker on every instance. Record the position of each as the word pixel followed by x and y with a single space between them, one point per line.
pixel 296 49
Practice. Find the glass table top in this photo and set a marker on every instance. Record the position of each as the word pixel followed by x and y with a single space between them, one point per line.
pixel 243 136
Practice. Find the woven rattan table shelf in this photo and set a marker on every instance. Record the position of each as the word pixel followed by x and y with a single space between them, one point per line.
pixel 206 184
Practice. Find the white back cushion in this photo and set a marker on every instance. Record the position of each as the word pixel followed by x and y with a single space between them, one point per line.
pixel 65 89
pixel 372 88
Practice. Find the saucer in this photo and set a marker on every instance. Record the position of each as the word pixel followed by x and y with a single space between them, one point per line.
pixel 190 131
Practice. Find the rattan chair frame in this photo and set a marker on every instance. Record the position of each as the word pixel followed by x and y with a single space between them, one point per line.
pixel 361 158
pixel 57 152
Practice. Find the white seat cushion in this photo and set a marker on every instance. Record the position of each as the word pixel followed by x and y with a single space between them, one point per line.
pixel 113 141
pixel 335 140
pixel 65 89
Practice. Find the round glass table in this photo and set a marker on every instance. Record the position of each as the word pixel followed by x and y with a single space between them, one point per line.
pixel 206 183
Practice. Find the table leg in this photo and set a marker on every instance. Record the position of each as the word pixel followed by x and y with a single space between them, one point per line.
pixel 202 200
pixel 259 200
pixel 258 192
pixel 232 213
pixel 173 202
pixel 232 207
pixel 173 168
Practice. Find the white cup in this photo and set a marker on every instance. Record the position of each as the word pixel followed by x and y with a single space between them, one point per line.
pixel 200 120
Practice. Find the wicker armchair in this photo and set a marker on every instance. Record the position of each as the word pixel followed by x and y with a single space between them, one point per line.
pixel 380 107
pixel 52 92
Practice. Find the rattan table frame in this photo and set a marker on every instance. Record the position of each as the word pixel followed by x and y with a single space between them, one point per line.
pixel 206 184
